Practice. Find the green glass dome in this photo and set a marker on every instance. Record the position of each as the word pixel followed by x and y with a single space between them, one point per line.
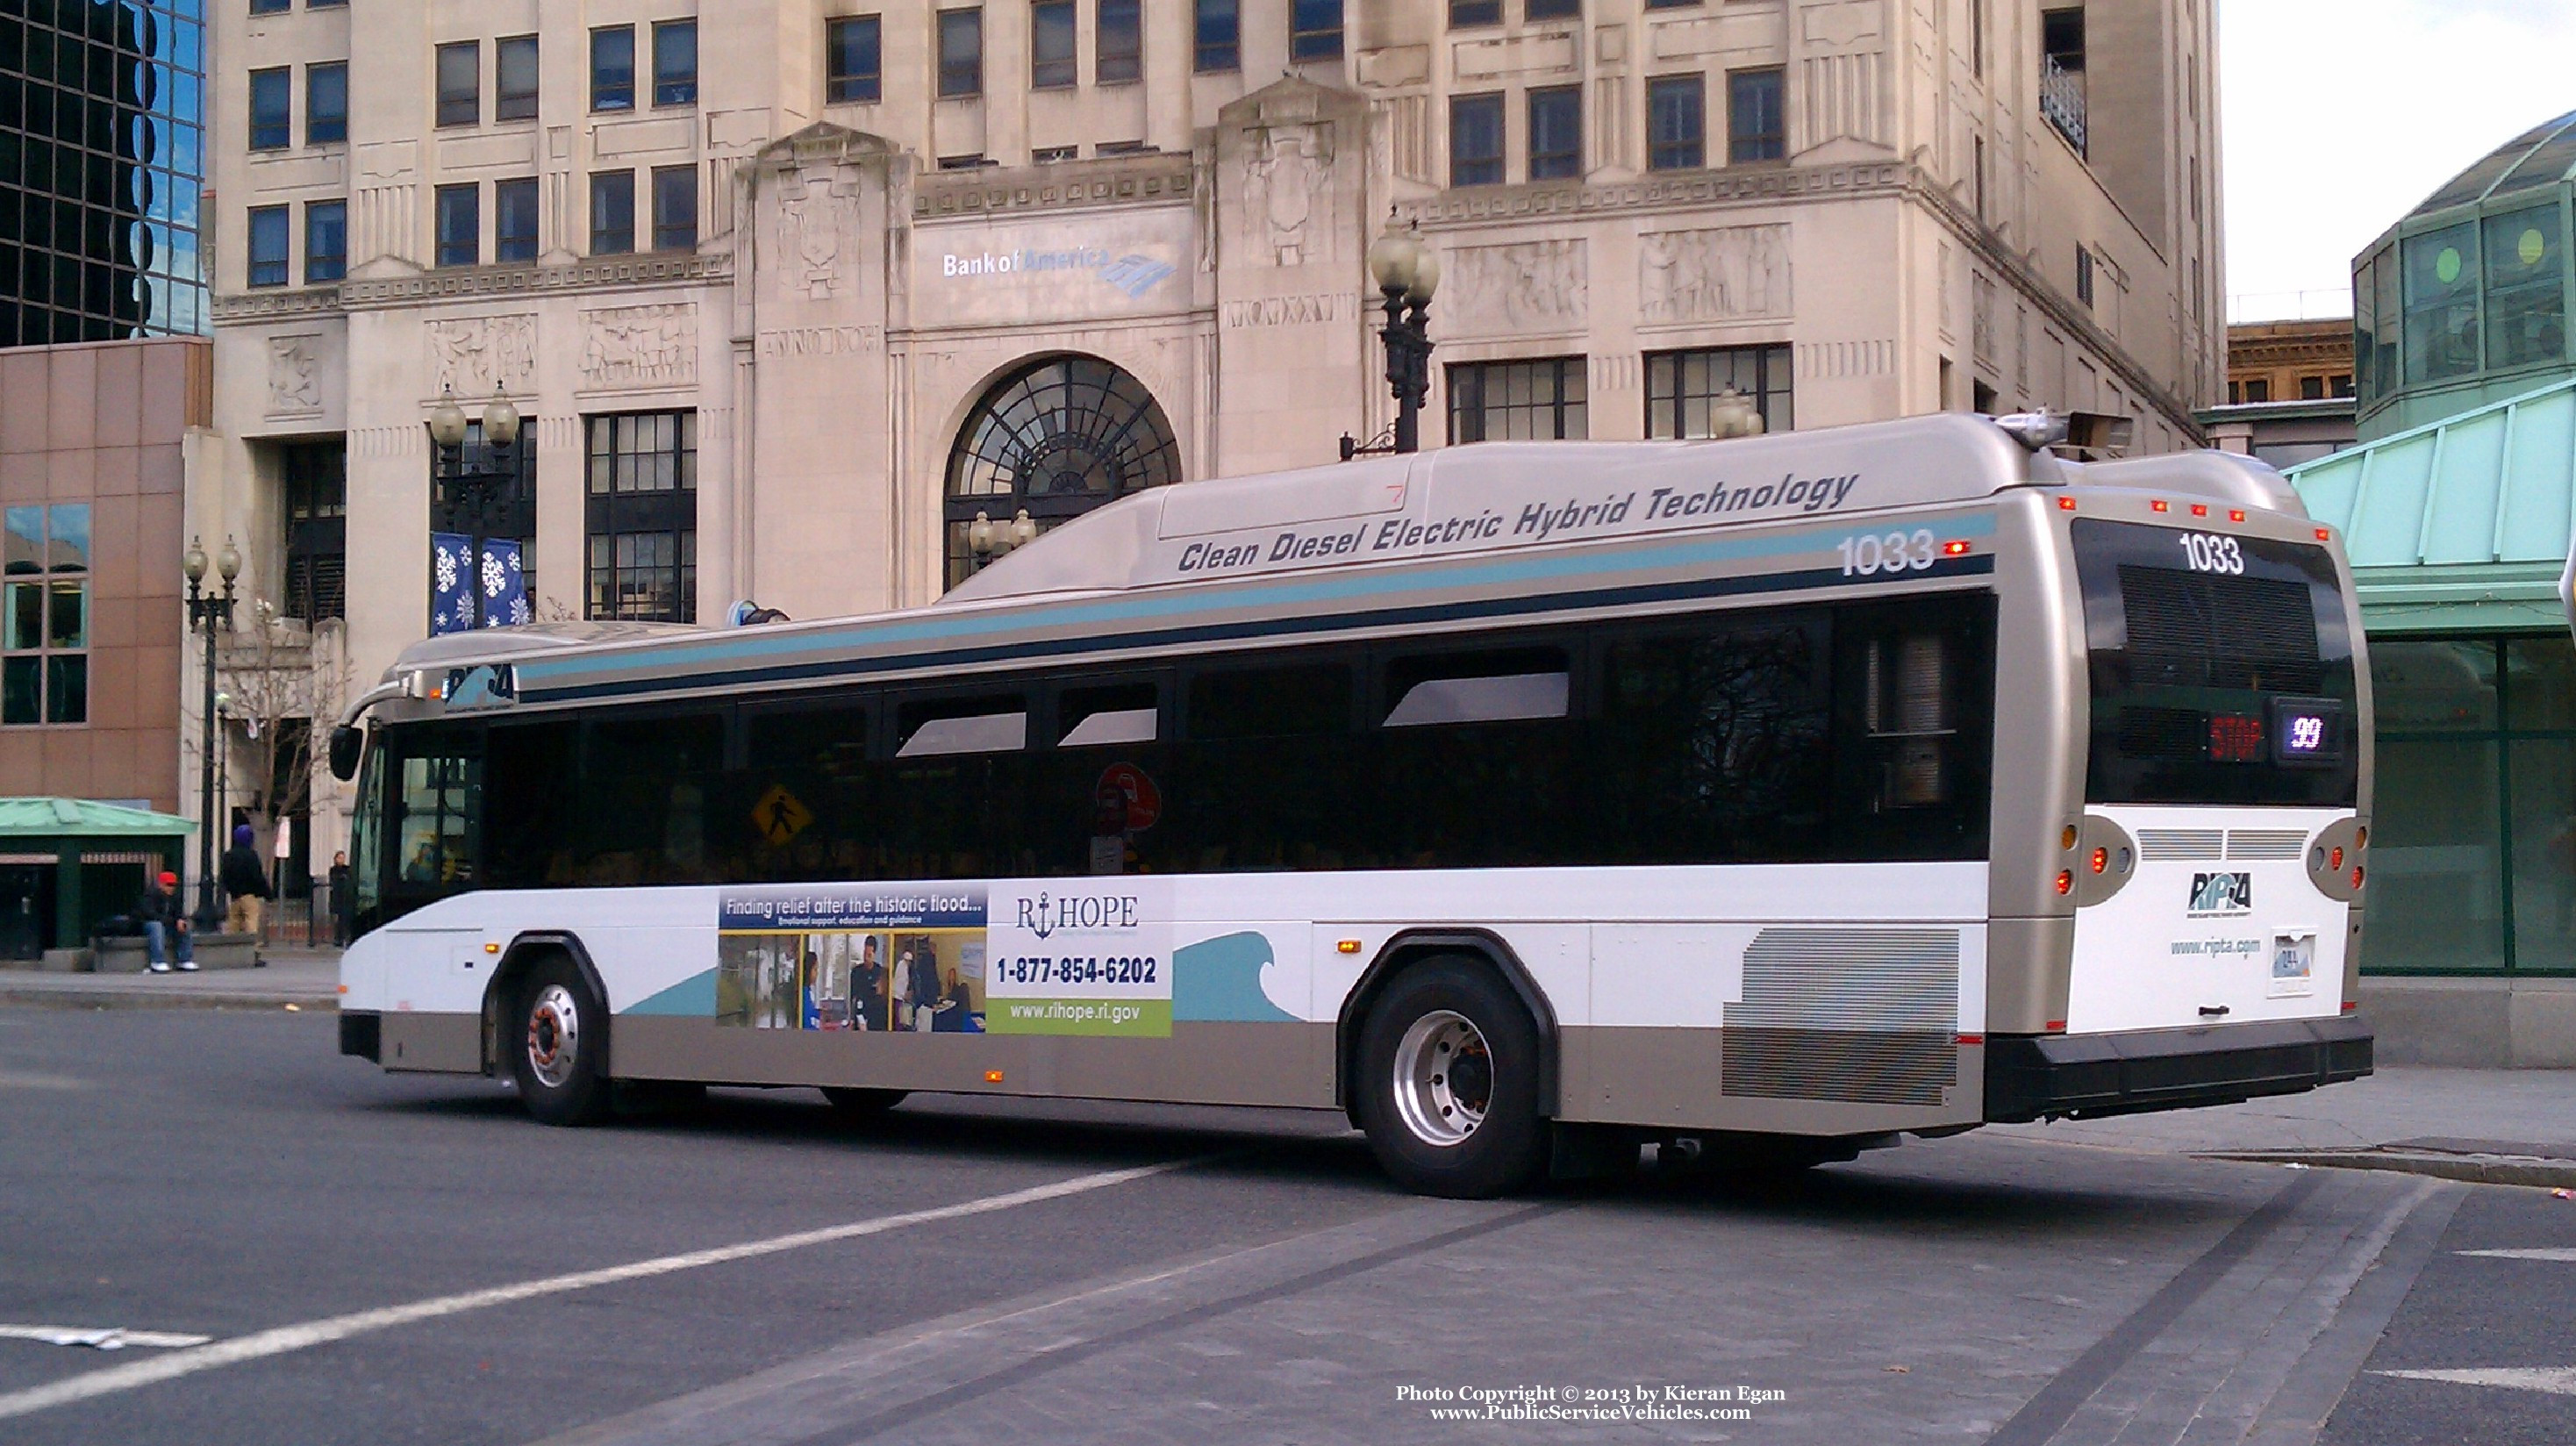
pixel 2464 302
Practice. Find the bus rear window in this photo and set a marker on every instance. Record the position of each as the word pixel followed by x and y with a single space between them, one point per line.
pixel 2221 669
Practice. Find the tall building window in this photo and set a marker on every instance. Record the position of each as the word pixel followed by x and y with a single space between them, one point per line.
pixel 326 241
pixel 271 7
pixel 316 476
pixel 460 83
pixel 1463 13
pixel 1552 9
pixel 514 220
pixel 612 212
pixel 675 208
pixel 102 163
pixel 853 63
pixel 1217 36
pixel 1493 401
pixel 460 225
pixel 267 246
pixel 961 52
pixel 2526 303
pixel 1681 386
pixel 2062 99
pixel 1117 43
pixel 612 68
pixel 1315 30
pixel 1051 57
pixel 2084 275
pixel 326 103
pixel 44 667
pixel 1476 140
pixel 1669 4
pixel 1676 123
pixel 643 515
pixel 514 78
pixel 675 62
pixel 1556 132
pixel 271 99
pixel 1756 125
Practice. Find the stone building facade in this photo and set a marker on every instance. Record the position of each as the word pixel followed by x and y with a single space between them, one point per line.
pixel 790 290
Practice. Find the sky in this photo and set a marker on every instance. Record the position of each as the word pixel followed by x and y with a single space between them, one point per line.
pixel 2339 116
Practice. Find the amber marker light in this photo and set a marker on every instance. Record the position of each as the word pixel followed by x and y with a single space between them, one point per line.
pixel 2066 881
pixel 1348 946
pixel 491 948
pixel 2066 838
pixel 2360 836
pixel 992 1076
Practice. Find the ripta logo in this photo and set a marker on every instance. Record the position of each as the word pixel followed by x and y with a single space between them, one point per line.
pixel 1042 916
pixel 2218 894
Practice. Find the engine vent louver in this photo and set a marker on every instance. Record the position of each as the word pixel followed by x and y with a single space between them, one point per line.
pixel 1858 1016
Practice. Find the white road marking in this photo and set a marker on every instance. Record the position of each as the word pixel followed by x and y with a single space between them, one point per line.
pixel 2537 1252
pixel 283 1339
pixel 2556 1380
pixel 104 1338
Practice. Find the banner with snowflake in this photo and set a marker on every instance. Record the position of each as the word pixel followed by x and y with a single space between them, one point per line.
pixel 502 580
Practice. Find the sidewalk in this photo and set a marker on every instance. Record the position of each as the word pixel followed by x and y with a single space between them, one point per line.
pixel 296 976
pixel 2494 1126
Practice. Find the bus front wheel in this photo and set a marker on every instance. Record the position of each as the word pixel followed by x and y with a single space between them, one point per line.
pixel 556 1047
pixel 1448 1083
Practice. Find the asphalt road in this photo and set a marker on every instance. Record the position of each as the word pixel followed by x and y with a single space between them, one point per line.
pixel 973 1271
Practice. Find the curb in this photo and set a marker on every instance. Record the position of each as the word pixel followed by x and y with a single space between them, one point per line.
pixel 2529 1170
pixel 153 999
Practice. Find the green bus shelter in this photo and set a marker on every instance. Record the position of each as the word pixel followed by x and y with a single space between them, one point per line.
pixel 67 864
pixel 2457 531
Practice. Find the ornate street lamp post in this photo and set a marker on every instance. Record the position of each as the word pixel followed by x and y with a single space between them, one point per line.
pixel 1407 273
pixel 988 540
pixel 208 614
pixel 473 490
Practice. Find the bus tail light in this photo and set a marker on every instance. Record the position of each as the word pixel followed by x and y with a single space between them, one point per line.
pixel 2066 881
pixel 2334 860
pixel 2065 504
pixel 2101 860
pixel 2356 876
pixel 2160 505
pixel 2235 514
pixel 2200 509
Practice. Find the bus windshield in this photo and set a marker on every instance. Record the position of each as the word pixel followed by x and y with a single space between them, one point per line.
pixel 2221 668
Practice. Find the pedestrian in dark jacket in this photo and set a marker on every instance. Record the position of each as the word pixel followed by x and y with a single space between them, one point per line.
pixel 344 899
pixel 245 881
pixel 165 924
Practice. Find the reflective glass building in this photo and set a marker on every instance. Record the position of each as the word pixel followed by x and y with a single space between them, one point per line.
pixel 102 112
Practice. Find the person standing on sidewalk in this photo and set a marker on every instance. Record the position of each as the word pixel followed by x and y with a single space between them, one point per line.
pixel 343 899
pixel 245 881
pixel 165 924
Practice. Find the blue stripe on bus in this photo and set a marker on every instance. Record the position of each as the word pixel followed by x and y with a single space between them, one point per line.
pixel 1310 590
pixel 1970 566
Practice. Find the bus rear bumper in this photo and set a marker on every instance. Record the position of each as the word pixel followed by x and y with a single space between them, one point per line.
pixel 362 1034
pixel 2033 1077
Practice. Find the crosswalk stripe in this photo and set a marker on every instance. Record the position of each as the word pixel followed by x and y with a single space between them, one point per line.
pixel 2537 1252
pixel 2556 1380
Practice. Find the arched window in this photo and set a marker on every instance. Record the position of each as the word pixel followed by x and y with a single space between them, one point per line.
pixel 1057 437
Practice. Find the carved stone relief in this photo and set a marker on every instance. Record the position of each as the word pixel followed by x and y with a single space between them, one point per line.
pixel 477 355
pixel 294 374
pixel 1286 169
pixel 818 221
pixel 1526 286
pixel 640 346
pixel 1726 273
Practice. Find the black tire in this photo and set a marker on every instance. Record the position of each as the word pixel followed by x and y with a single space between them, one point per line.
pixel 1503 1151
pixel 860 1106
pixel 556 1034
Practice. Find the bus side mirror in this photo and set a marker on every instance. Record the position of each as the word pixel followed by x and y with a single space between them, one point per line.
pixel 347 742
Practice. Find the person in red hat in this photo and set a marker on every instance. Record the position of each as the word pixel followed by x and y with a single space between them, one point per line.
pixel 165 925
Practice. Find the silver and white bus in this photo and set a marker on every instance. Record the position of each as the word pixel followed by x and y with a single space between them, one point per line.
pixel 1517 799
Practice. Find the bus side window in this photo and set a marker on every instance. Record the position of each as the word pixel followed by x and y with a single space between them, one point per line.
pixel 436 778
pixel 529 769
pixel 801 809
pixel 646 786
pixel 1112 713
pixel 950 801
pixel 1267 770
pixel 1714 743
pixel 931 727
pixel 1915 733
pixel 1475 760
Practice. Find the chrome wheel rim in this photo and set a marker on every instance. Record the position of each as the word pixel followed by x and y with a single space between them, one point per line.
pixel 554 1036
pixel 1444 1078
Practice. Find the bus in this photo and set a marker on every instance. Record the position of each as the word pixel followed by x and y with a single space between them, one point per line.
pixel 1525 801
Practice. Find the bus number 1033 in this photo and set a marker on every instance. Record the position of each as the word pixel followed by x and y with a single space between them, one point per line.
pixel 2206 552
pixel 1892 553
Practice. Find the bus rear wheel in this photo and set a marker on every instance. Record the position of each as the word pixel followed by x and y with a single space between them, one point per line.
pixel 1448 1083
pixel 555 1046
